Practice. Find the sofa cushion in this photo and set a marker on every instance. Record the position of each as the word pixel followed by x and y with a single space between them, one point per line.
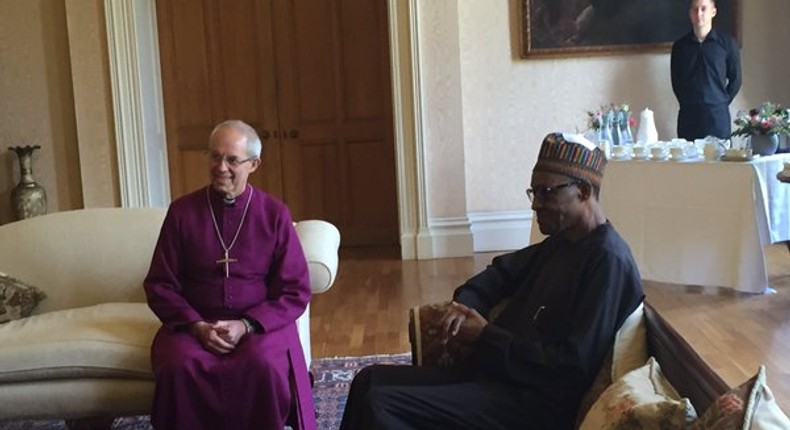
pixel 629 352
pixel 106 340
pixel 751 405
pixel 17 299
pixel 644 399
pixel 630 344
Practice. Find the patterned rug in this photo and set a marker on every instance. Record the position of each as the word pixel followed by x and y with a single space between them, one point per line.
pixel 332 378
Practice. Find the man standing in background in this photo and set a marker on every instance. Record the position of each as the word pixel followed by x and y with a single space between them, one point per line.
pixel 706 75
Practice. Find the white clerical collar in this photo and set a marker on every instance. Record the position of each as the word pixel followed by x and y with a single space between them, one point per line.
pixel 226 199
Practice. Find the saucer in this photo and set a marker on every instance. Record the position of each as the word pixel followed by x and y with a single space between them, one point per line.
pixel 641 157
pixel 737 158
pixel 659 157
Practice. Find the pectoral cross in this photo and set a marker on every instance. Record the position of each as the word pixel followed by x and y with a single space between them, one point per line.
pixel 227 260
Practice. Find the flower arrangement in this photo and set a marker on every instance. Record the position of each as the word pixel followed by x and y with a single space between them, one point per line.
pixel 620 114
pixel 768 118
pixel 595 119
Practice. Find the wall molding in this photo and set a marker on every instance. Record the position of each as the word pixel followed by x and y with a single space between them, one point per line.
pixel 138 109
pixel 477 232
pixel 127 105
pixel 500 231
pixel 445 238
pixel 407 126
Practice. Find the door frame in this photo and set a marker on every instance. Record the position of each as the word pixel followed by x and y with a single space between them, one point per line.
pixel 139 113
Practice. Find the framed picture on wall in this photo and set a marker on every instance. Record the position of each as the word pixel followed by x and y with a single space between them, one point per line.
pixel 593 27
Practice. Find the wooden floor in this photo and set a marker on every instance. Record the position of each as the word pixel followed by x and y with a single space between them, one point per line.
pixel 366 312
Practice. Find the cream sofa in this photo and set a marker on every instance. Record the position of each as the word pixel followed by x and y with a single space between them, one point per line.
pixel 84 352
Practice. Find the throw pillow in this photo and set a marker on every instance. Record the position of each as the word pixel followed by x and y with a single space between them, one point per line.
pixel 642 399
pixel 630 344
pixel 628 353
pixel 751 406
pixel 17 299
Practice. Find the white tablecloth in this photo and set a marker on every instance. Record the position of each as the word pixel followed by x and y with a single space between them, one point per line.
pixel 698 223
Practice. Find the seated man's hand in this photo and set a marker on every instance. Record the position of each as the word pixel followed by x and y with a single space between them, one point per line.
pixel 230 330
pixel 211 340
pixel 462 322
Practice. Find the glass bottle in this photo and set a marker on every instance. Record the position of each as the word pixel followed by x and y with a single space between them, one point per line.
pixel 605 132
pixel 610 123
pixel 625 126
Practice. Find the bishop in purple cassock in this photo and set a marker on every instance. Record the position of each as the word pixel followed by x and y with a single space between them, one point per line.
pixel 219 263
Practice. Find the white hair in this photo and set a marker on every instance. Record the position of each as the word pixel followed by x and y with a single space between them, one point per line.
pixel 254 145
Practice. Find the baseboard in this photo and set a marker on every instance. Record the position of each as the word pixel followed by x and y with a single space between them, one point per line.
pixel 445 238
pixel 463 236
pixel 500 231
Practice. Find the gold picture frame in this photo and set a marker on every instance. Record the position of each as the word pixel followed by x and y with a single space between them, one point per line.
pixel 551 28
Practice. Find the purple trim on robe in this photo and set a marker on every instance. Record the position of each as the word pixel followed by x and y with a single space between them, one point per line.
pixel 250 387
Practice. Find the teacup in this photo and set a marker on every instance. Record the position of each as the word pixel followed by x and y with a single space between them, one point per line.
pixel 639 151
pixel 676 152
pixel 737 153
pixel 658 152
pixel 692 150
pixel 620 151
pixel 712 151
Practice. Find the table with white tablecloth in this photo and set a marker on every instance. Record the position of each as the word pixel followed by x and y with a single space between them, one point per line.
pixel 699 223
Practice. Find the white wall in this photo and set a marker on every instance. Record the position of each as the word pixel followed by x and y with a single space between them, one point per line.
pixel 508 103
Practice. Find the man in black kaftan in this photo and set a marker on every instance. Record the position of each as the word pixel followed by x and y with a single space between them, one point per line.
pixel 531 365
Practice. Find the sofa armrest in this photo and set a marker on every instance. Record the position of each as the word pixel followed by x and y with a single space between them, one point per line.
pixel 684 368
pixel 424 336
pixel 320 242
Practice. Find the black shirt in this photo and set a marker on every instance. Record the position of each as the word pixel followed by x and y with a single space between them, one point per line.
pixel 707 72
pixel 567 301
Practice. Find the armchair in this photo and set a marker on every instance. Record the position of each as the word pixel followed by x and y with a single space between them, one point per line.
pixel 645 330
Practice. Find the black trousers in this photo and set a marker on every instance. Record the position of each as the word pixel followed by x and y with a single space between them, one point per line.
pixel 411 397
pixel 698 121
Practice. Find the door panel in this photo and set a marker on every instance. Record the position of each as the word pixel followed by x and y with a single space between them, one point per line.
pixel 334 91
pixel 313 76
pixel 217 64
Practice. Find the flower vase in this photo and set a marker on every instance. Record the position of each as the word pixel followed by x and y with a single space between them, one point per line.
pixel 28 198
pixel 764 144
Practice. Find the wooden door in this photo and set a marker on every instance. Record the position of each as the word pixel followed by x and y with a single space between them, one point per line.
pixel 217 63
pixel 314 76
pixel 336 110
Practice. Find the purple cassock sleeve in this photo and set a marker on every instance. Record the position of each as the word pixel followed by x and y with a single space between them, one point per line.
pixel 162 285
pixel 288 281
